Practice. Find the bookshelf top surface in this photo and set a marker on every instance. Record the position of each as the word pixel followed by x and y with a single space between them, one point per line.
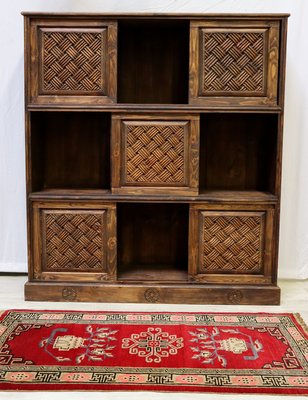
pixel 157 15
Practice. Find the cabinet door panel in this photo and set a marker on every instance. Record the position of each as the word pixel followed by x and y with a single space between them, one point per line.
pixel 73 242
pixel 154 154
pixel 231 246
pixel 234 63
pixel 72 62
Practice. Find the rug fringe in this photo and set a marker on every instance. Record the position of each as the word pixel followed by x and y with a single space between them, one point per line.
pixel 301 322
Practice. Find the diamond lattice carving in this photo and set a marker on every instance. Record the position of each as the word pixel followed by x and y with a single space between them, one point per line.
pixel 72 61
pixel 233 62
pixel 155 153
pixel 74 241
pixel 231 244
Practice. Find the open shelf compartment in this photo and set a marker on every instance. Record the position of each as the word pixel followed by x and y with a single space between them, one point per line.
pixel 153 65
pixel 70 151
pixel 238 153
pixel 152 242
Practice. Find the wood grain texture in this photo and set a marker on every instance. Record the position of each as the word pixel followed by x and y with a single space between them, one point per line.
pixel 152 273
pixel 155 154
pixel 282 76
pixel 179 159
pixel 164 293
pixel 70 150
pixel 153 237
pixel 142 47
pixel 232 246
pixel 72 61
pixel 231 242
pixel 245 152
pixel 206 196
pixel 74 242
pixel 234 62
pixel 166 108
pixel 155 15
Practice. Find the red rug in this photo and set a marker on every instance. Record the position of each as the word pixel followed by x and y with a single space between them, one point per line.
pixel 201 352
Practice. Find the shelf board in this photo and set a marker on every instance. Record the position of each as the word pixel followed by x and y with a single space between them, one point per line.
pixel 62 194
pixel 237 195
pixel 153 273
pixel 145 108
pixel 147 15
pixel 205 196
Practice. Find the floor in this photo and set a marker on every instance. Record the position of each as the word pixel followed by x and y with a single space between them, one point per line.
pixel 294 299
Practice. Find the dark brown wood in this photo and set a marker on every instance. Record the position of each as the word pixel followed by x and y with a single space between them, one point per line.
pixel 74 242
pixel 70 150
pixel 166 108
pixel 245 152
pixel 232 16
pixel 153 156
pixel 152 273
pixel 205 196
pixel 234 62
pixel 231 246
pixel 152 235
pixel 153 293
pixel 72 61
pixel 143 77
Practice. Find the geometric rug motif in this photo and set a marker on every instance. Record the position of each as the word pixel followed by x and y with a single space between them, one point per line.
pixel 181 352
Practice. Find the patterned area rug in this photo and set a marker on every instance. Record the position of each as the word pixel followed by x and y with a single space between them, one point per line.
pixel 201 352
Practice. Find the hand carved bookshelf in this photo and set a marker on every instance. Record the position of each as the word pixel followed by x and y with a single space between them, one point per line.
pixel 153 148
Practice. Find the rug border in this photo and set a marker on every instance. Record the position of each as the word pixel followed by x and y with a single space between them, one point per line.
pixel 213 390
pixel 297 316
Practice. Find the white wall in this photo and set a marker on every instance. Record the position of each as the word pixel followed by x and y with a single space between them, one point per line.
pixel 293 254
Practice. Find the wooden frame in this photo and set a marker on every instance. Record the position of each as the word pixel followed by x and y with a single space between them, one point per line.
pixel 232 69
pixel 47 202
pixel 185 127
pixel 97 241
pixel 65 68
pixel 230 246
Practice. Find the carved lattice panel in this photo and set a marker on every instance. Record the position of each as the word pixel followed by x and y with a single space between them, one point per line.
pixel 154 153
pixel 73 61
pixel 231 243
pixel 233 62
pixel 73 241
